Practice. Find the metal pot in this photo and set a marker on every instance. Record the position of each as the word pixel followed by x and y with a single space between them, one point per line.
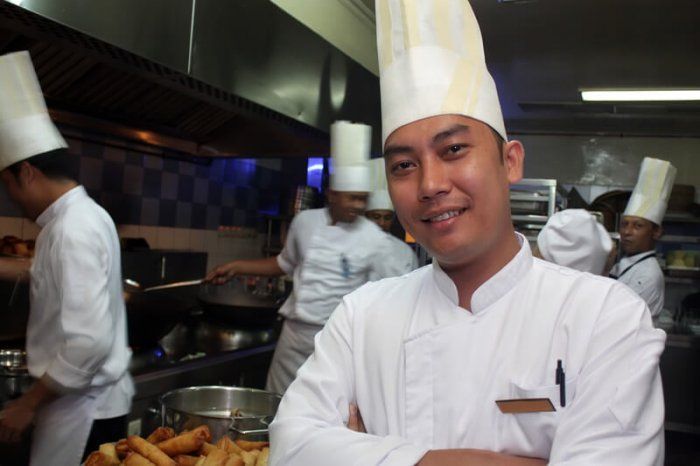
pixel 14 376
pixel 237 304
pixel 187 408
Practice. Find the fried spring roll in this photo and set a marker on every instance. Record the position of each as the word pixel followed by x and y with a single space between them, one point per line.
pixel 249 458
pixel 134 459
pixel 109 450
pixel 149 451
pixel 122 448
pixel 226 444
pixel 186 460
pixel 216 457
pixel 248 446
pixel 234 460
pixel 263 457
pixel 160 434
pixel 207 448
pixel 186 443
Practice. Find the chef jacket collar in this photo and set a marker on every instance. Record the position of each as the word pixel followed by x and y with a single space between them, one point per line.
pixel 495 287
pixel 59 205
pixel 628 260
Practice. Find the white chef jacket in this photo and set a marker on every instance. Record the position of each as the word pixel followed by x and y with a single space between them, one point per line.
pixel 329 261
pixel 76 333
pixel 646 278
pixel 402 257
pixel 426 373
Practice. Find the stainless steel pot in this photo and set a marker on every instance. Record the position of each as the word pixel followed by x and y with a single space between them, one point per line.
pixel 233 411
pixel 14 376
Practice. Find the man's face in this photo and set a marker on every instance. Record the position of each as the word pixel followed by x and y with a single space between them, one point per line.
pixel 346 206
pixel 383 218
pixel 638 235
pixel 449 181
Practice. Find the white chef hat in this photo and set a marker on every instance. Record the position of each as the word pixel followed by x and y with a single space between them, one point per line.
pixel 574 238
pixel 379 196
pixel 350 146
pixel 431 62
pixel 25 126
pixel 650 196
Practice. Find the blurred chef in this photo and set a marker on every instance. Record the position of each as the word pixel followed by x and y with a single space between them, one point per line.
pixel 380 210
pixel 487 355
pixel 329 252
pixel 640 228
pixel 574 238
pixel 76 335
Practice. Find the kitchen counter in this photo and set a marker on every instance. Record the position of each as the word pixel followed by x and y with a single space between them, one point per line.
pixel 679 365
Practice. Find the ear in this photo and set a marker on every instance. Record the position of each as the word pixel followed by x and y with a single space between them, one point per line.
pixel 514 160
pixel 657 232
pixel 330 196
pixel 27 174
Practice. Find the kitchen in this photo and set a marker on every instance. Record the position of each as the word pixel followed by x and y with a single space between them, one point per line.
pixel 175 141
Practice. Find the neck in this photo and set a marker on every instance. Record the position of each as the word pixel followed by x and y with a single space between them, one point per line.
pixel 50 193
pixel 469 276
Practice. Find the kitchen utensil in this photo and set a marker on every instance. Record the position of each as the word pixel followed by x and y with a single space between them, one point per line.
pixel 217 406
pixel 136 286
pixel 238 303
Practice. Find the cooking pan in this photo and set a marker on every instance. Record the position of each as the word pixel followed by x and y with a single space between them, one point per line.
pixel 233 304
pixel 152 314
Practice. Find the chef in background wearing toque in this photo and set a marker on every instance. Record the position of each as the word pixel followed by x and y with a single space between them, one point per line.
pixel 329 252
pixel 77 348
pixel 640 228
pixel 380 210
pixel 487 355
pixel 574 238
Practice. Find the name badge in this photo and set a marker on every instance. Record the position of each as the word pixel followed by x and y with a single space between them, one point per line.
pixel 525 405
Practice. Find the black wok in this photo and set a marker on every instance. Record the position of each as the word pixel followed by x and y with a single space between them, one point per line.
pixel 153 314
pixel 233 305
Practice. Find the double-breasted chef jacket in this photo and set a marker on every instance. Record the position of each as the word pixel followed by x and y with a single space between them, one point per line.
pixel 326 262
pixel 426 373
pixel 77 333
pixel 643 274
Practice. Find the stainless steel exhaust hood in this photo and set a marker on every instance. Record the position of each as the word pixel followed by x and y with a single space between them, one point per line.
pixel 226 78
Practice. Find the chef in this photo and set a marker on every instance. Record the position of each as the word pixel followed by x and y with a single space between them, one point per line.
pixel 486 356
pixel 640 228
pixel 574 238
pixel 380 210
pixel 329 252
pixel 76 335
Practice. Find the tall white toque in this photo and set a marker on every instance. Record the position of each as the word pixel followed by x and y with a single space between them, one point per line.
pixel 650 196
pixel 379 196
pixel 350 146
pixel 26 128
pixel 574 238
pixel 431 62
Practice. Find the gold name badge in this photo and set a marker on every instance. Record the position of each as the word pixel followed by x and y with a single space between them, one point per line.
pixel 525 405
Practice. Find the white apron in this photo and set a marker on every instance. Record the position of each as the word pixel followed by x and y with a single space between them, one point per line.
pixel 295 345
pixel 62 430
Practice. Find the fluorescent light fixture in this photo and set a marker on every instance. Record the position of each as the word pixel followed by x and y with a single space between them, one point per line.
pixel 640 95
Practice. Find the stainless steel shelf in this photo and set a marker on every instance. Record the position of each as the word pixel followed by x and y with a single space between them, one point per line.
pixel 680 239
pixel 682 280
pixel 529 218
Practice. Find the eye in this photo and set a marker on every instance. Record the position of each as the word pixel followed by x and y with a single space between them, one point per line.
pixel 401 167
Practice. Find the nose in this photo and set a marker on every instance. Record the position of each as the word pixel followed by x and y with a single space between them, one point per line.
pixel 435 180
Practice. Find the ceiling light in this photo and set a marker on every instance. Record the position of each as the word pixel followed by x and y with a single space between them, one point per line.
pixel 640 95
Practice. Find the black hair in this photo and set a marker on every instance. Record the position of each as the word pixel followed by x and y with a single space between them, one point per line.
pixel 55 164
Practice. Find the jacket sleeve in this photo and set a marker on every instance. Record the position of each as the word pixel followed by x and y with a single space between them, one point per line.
pixel 617 415
pixel 288 259
pixel 81 265
pixel 310 426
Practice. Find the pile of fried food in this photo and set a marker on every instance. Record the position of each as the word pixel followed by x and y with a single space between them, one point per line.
pixel 190 448
pixel 13 246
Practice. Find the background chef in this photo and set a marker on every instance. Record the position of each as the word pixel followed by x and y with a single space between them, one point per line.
pixel 574 238
pixel 329 252
pixel 380 210
pixel 431 358
pixel 640 228
pixel 76 334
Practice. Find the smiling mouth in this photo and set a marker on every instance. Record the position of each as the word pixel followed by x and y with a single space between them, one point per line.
pixel 444 216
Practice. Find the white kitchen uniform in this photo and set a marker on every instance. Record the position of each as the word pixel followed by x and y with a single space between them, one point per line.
pixel 77 332
pixel 643 274
pixel 426 373
pixel 326 262
pixel 401 256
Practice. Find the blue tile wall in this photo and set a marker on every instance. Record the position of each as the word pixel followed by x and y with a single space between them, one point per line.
pixel 141 189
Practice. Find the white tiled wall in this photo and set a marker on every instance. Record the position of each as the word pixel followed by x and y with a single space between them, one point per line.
pixel 219 248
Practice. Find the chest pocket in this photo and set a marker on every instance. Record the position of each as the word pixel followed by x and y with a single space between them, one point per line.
pixel 531 434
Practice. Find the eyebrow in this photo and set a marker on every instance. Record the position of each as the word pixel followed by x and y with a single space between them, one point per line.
pixel 442 135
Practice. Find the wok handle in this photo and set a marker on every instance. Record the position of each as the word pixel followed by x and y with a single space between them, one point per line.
pixel 233 427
